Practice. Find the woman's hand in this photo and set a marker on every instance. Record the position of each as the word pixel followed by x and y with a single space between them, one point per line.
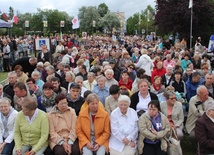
pixel 18 152
pixel 132 144
pixel 2 147
pixel 126 141
pixel 154 131
pixel 67 147
pixel 89 146
pixel 96 147
pixel 31 152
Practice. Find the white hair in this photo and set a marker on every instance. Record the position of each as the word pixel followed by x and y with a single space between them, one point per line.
pixel 124 98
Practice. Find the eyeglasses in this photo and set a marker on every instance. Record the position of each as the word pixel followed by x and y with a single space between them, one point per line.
pixel 131 67
pixel 172 98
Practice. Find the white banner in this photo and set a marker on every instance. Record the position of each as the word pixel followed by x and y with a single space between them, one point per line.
pixel 75 23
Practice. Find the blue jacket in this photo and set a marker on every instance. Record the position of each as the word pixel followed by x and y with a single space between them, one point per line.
pixel 102 93
pixel 191 88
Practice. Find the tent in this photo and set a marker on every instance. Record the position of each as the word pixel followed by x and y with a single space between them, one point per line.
pixel 4 24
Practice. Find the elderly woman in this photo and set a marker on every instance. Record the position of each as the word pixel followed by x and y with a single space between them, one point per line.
pixel 101 89
pixel 140 99
pixel 7 121
pixel 31 129
pixel 93 128
pixel 36 76
pixel 157 86
pixel 124 128
pixel 153 126
pixel 47 100
pixel 204 129
pixel 145 62
pixel 173 110
pixel 62 124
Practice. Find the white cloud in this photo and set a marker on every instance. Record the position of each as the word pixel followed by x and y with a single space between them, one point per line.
pixel 71 7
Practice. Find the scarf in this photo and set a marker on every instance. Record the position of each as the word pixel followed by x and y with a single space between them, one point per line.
pixel 48 102
pixel 157 88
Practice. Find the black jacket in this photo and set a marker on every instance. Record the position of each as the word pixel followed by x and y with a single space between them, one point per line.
pixel 135 99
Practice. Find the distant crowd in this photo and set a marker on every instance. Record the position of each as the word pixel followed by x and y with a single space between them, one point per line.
pixel 118 95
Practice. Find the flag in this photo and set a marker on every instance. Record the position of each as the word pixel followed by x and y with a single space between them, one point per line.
pixel 75 23
pixel 4 16
pixel 190 4
pixel 15 19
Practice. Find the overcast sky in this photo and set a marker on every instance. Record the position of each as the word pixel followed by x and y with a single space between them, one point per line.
pixel 71 7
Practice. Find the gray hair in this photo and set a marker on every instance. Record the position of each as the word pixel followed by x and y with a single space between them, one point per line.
pixel 200 88
pixel 100 77
pixel 50 68
pixel 109 71
pixel 169 93
pixel 13 73
pixel 5 100
pixel 78 78
pixel 124 98
pixel 209 105
pixel 91 97
pixel 71 74
pixel 35 73
pixel 40 64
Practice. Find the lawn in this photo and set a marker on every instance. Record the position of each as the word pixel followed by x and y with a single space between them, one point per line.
pixel 3 76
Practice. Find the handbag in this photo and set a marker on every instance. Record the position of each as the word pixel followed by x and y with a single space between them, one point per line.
pixel 174 147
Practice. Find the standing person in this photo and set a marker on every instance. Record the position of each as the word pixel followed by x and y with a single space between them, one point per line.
pixel 7 120
pixel 124 128
pixel 31 129
pixel 93 128
pixel 145 62
pixel 43 55
pixel 6 56
pixel 62 125
pixel 153 126
pixel 28 64
pixel 204 130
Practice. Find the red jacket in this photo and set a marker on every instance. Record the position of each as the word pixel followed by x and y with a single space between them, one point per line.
pixel 128 85
pixel 158 72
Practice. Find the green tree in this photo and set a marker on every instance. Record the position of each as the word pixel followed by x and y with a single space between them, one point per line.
pixel 109 21
pixel 103 9
pixel 174 17
pixel 11 13
pixel 86 16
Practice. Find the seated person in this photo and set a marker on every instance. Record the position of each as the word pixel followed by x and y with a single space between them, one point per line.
pixel 34 122
pixel 62 125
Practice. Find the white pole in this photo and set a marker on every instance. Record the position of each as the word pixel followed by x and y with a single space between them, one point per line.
pixel 190 46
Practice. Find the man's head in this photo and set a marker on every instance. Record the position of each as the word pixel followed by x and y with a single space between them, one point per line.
pixel 209 79
pixel 56 82
pixel 74 91
pixel 169 70
pixel 33 61
pixel 12 77
pixel 196 77
pixel 20 89
pixel 114 91
pixel 91 77
pixel 202 93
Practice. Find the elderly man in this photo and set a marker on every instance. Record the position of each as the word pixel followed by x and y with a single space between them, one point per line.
pixel 90 82
pixel 168 77
pixel 196 110
pixel 208 83
pixel 8 89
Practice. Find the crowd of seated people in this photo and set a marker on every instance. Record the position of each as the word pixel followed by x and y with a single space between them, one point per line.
pixel 120 100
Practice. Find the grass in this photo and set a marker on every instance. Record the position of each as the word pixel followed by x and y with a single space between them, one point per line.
pixel 3 76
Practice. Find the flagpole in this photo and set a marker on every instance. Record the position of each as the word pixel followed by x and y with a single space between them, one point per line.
pixel 191 27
